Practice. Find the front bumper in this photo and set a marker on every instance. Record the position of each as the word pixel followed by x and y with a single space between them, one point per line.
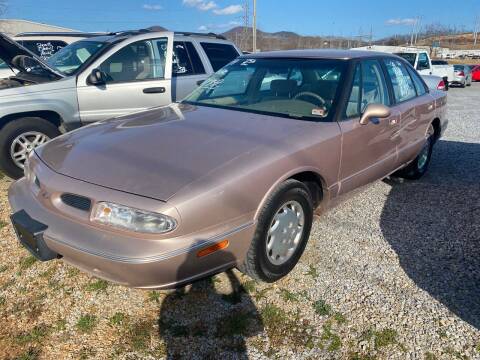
pixel 130 260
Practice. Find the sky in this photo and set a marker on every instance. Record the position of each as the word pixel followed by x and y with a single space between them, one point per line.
pixel 306 17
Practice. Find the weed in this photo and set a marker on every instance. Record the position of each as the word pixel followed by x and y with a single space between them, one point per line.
pixel 358 356
pixel 71 272
pixel 99 285
pixel 322 308
pixel 139 335
pixel 385 337
pixel 31 354
pixel 27 262
pixel 2 223
pixel 288 295
pixel 273 315
pixel 340 318
pixel 430 356
pixel 249 286
pixel 3 268
pixel 34 336
pixel 86 323
pixel 312 271
pixel 61 325
pixel 86 353
pixel 49 272
pixel 117 319
pixel 478 347
pixel 3 301
pixel 154 296
pixel 333 340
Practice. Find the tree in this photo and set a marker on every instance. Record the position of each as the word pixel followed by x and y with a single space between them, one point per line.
pixel 3 7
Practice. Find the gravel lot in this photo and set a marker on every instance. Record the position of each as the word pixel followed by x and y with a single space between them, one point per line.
pixel 392 274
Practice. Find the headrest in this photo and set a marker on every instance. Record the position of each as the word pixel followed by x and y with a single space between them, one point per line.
pixel 283 87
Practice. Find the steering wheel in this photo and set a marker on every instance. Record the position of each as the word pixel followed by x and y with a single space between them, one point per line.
pixel 310 94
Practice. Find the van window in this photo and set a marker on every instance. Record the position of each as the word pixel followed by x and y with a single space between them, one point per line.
pixel 219 54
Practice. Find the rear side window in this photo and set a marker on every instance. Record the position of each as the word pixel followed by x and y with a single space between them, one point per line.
pixel 419 85
pixel 219 54
pixel 43 48
pixel 186 60
pixel 403 87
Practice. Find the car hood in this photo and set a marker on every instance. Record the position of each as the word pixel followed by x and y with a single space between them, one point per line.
pixel 9 49
pixel 158 152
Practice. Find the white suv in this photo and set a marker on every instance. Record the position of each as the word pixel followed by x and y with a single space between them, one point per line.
pixel 96 79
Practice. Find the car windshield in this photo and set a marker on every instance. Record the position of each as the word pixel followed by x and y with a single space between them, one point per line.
pixel 69 59
pixel 410 57
pixel 296 88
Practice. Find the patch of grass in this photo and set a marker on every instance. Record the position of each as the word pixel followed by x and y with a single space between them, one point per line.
pixel 139 335
pixel 27 262
pixel 2 223
pixel 99 285
pixel 359 356
pixel 478 347
pixel 71 272
pixel 154 296
pixel 289 296
pixel 385 337
pixel 262 294
pixel 273 315
pixel 61 325
pixel 430 356
pixel 118 319
pixel 249 286
pixel 34 336
pixel 31 354
pixel 322 308
pixel 86 353
pixel 3 301
pixel 312 271
pixel 340 318
pixel 86 323
pixel 333 340
pixel 234 324
pixel 3 268
pixel 47 274
pixel 442 334
pixel 455 354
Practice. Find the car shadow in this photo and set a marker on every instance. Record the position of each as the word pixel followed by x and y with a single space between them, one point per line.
pixel 200 322
pixel 434 226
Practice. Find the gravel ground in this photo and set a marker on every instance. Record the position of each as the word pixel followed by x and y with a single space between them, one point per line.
pixel 391 274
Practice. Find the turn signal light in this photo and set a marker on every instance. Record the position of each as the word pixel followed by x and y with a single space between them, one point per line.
pixel 213 248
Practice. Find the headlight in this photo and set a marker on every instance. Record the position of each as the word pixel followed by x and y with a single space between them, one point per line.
pixel 124 217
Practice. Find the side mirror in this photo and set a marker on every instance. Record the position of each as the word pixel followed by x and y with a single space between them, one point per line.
pixel 97 77
pixel 374 111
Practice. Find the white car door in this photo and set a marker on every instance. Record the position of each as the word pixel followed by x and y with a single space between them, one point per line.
pixel 138 76
pixel 423 65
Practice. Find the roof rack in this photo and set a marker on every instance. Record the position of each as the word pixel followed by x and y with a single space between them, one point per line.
pixel 211 34
pixel 63 33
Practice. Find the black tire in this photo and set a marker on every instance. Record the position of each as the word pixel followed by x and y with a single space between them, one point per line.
pixel 418 167
pixel 257 264
pixel 11 131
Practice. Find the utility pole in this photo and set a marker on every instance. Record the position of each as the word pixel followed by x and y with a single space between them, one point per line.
pixel 254 26
pixel 246 24
pixel 475 30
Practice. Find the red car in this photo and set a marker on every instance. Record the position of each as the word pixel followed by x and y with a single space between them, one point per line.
pixel 476 73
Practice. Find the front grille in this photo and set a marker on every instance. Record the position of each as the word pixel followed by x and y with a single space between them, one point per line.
pixel 77 201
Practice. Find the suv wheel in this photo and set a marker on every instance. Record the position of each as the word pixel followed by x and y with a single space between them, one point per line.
pixel 418 167
pixel 282 233
pixel 18 138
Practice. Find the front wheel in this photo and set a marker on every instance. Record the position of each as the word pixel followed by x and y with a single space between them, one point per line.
pixel 18 138
pixel 282 233
pixel 418 167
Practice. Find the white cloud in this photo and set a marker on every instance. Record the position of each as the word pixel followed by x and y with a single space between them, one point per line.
pixel 211 27
pixel 201 4
pixel 229 10
pixel 152 7
pixel 406 21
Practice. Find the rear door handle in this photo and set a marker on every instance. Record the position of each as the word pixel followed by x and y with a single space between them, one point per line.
pixel 154 90
pixel 393 122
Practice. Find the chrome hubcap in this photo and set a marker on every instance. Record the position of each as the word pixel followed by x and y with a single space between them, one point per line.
pixel 285 232
pixel 23 144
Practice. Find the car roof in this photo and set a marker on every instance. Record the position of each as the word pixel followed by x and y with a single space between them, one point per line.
pixel 59 34
pixel 318 54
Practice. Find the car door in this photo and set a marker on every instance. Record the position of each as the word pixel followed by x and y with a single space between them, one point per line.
pixel 416 106
pixel 187 69
pixel 138 76
pixel 368 151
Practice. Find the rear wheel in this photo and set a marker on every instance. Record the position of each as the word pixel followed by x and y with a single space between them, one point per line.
pixel 418 167
pixel 18 138
pixel 282 233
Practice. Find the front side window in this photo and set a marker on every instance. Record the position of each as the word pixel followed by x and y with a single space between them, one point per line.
pixel 43 49
pixel 282 87
pixel 186 60
pixel 423 62
pixel 69 59
pixel 403 87
pixel 219 54
pixel 141 60
pixel 369 87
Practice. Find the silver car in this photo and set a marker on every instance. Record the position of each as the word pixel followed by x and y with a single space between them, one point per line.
pixel 463 75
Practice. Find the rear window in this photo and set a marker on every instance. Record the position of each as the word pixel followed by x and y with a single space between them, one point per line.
pixel 410 57
pixel 458 67
pixel 219 54
pixel 43 48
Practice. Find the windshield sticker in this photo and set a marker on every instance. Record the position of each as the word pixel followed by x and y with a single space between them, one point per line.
pixel 248 62
pixel 212 84
pixel 318 112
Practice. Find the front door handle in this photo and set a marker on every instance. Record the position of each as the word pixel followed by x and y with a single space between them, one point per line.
pixel 154 90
